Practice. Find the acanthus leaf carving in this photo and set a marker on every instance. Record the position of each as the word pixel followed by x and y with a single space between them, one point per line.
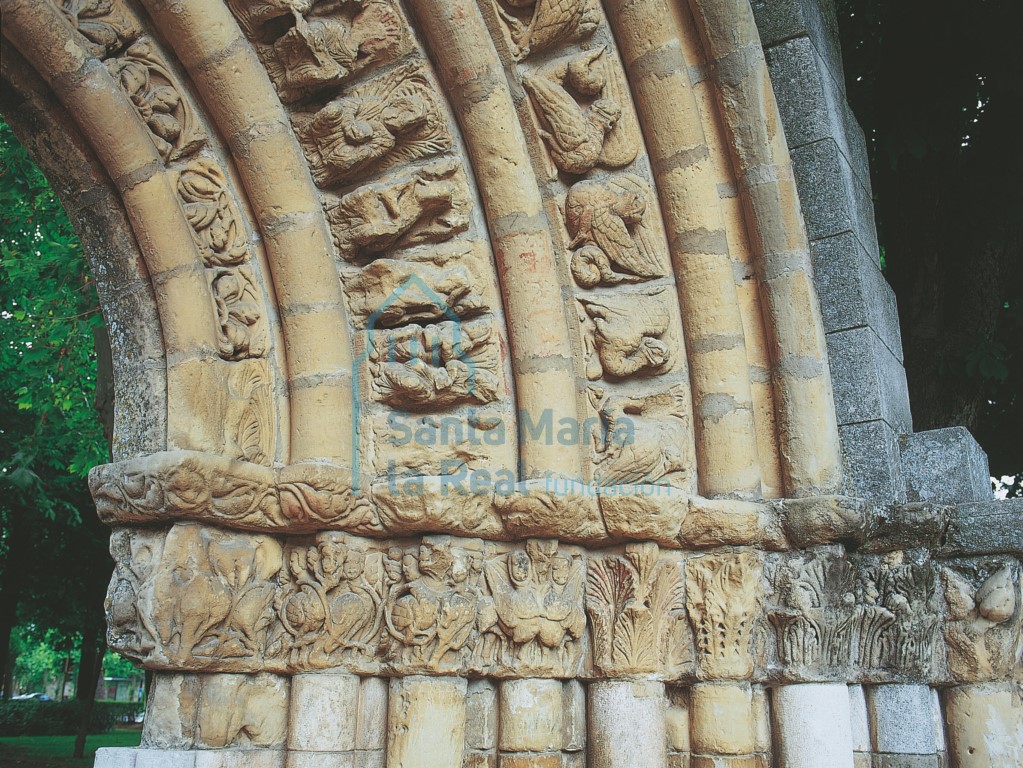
pixel 724 594
pixel 815 625
pixel 212 213
pixel 579 136
pixel 158 99
pixel 609 241
pixel 633 602
pixel 391 119
pixel 896 617
pixel 430 205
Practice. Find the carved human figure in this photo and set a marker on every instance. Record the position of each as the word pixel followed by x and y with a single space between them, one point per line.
pixel 389 119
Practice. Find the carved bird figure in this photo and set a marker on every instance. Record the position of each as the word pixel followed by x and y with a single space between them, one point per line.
pixel 576 136
pixel 552 22
pixel 598 215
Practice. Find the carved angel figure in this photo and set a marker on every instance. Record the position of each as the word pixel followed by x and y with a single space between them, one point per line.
pixel 323 48
pixel 543 24
pixel 390 119
pixel 538 595
pixel 429 206
pixel 418 368
pixel 602 219
pixel 577 135
pixel 626 335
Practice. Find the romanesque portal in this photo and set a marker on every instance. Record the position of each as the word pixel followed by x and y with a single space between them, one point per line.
pixel 474 402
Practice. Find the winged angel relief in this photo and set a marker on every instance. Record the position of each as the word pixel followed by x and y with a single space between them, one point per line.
pixel 539 25
pixel 381 123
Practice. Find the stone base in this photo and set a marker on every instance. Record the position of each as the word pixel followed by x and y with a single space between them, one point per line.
pixel 122 757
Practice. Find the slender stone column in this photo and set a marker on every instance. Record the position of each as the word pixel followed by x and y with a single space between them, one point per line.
pixel 902 723
pixel 724 725
pixel 426 722
pixel 627 724
pixel 985 726
pixel 322 719
pixel 813 725
pixel 531 723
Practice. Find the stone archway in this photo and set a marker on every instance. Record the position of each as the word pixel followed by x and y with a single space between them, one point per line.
pixel 473 400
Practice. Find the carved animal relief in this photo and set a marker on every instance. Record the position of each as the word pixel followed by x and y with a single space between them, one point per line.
pixel 391 119
pixel 310 45
pixel 609 242
pixel 242 333
pixel 541 25
pixel 430 205
pixel 104 24
pixel 579 105
pixel 624 335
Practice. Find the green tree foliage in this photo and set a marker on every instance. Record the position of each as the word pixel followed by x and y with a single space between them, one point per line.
pixel 52 548
pixel 938 88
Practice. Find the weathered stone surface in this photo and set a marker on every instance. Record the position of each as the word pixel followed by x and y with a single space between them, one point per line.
pixel 871 451
pixel 626 724
pixel 813 725
pixel 901 719
pixel 870 382
pixel 991 527
pixel 945 466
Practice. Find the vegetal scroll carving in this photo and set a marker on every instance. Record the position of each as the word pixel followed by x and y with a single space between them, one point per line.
pixel 815 627
pixel 423 368
pixel 723 595
pixel 158 100
pixel 983 626
pixel 609 240
pixel 625 333
pixel 428 206
pixel 212 213
pixel 544 24
pixel 391 119
pixel 579 135
pixel 241 328
pixel 633 603
pixel 105 25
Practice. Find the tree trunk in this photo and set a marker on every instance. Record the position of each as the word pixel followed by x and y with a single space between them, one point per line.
pixel 90 668
pixel 11 578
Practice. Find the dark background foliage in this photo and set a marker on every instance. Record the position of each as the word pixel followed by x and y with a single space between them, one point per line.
pixel 938 89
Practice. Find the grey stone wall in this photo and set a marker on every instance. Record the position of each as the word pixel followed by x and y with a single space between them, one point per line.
pixel 885 461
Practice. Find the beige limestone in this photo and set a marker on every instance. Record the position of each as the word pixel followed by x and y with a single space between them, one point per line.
pixel 984 726
pixel 626 724
pixel 722 721
pixel 426 722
